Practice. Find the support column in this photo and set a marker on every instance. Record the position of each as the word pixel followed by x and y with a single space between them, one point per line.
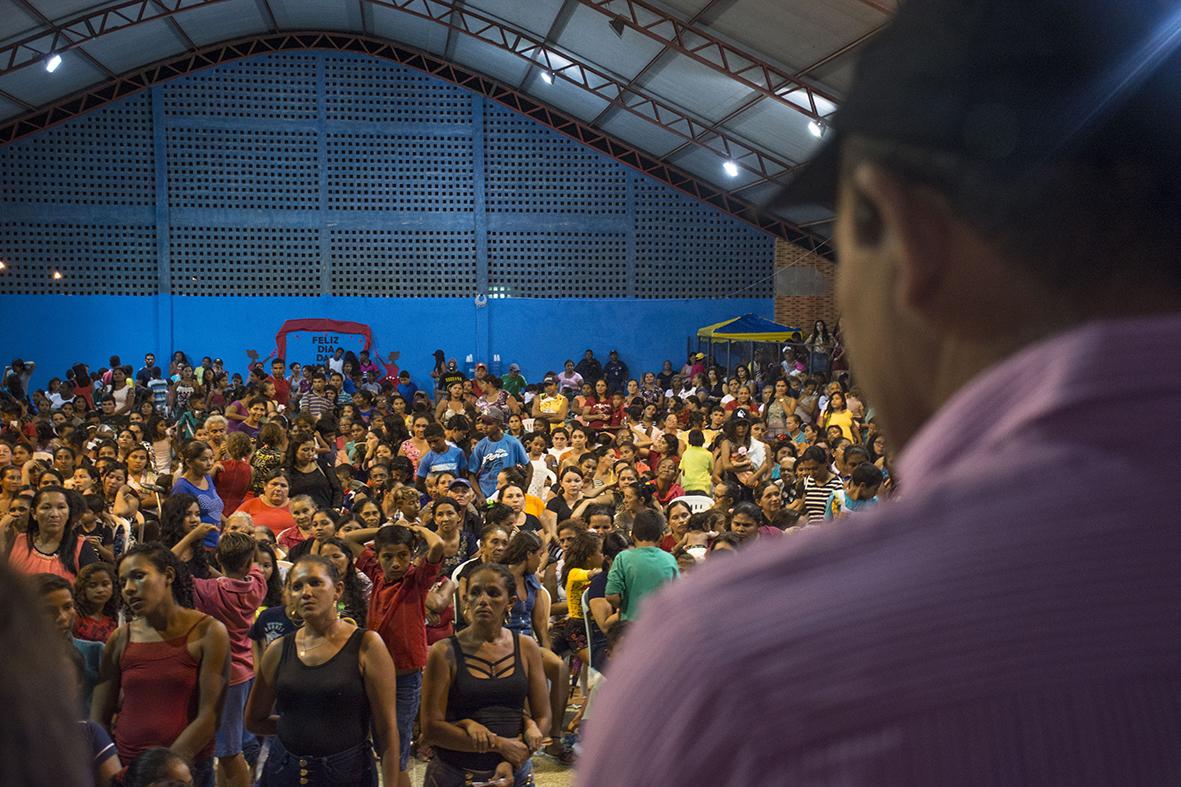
pixel 163 341
pixel 482 340
pixel 322 158
pixel 630 176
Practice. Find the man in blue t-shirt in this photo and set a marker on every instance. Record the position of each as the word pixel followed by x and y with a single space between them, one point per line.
pixel 442 458
pixel 496 452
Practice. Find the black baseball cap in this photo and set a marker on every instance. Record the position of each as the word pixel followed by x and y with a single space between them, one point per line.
pixel 1013 84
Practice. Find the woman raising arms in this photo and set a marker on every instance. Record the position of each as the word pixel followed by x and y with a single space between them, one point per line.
pixel 776 411
pixel 169 665
pixel 326 684
pixel 474 692
pixel 306 476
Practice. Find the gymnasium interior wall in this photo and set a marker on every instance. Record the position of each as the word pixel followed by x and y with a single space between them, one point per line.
pixel 203 213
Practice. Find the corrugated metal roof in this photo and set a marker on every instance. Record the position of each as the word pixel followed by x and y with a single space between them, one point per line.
pixel 695 82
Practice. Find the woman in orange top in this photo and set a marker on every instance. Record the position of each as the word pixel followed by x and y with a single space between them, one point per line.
pixel 52 544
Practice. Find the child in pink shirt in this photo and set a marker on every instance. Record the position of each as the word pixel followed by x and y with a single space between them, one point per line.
pixel 233 599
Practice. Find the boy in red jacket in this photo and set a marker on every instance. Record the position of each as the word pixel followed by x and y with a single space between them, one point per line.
pixel 397 609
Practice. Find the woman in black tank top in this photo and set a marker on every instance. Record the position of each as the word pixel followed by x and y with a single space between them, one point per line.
pixel 474 693
pixel 328 683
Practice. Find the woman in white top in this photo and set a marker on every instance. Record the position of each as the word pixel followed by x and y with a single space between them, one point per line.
pixel 119 391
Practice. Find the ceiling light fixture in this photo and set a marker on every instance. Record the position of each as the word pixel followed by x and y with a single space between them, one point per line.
pixel 3 265
pixel 817 128
pixel 618 25
pixel 731 168
pixel 53 62
pixel 547 77
pixel 56 275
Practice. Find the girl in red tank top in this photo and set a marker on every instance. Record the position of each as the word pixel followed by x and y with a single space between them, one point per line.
pixel 161 662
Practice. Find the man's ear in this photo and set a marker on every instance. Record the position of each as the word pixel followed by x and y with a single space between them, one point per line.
pixel 908 223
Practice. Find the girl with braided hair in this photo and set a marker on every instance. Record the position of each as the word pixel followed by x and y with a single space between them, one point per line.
pixel 169 665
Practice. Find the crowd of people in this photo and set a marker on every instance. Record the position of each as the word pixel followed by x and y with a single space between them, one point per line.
pixel 313 574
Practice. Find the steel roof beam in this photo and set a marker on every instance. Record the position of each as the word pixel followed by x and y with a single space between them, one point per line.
pixel 651 64
pixel 528 47
pixel 758 99
pixel 85 27
pixel 43 19
pixel 593 80
pixel 556 28
pixel 20 102
pixel 132 83
pixel 742 66
pixel 268 16
pixel 449 44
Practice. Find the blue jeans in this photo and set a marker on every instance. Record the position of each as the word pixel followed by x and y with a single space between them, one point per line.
pixel 230 730
pixel 819 363
pixel 440 774
pixel 409 695
pixel 353 766
pixel 202 773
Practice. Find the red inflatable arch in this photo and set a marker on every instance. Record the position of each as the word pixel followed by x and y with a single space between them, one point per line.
pixel 320 325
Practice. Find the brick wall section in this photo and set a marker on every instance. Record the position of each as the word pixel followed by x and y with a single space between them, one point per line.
pixel 803 287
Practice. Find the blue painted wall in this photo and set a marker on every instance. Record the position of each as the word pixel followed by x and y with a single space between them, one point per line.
pixel 202 214
pixel 538 334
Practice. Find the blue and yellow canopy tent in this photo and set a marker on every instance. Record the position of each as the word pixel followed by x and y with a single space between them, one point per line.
pixel 748 329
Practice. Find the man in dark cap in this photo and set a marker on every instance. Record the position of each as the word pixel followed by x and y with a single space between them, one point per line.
pixel 615 373
pixel 1007 183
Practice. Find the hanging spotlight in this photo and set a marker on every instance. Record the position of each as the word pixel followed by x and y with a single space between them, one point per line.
pixel 731 168
pixel 3 265
pixel 618 25
pixel 53 62
pixel 56 275
pixel 817 128
pixel 547 77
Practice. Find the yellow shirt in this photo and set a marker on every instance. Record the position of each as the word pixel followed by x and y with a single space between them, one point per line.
pixel 533 505
pixel 551 405
pixel 577 582
pixel 843 419
pixel 696 469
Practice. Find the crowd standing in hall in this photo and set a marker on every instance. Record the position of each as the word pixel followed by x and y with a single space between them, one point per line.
pixel 311 575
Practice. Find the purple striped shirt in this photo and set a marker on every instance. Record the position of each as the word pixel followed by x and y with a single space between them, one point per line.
pixel 1013 618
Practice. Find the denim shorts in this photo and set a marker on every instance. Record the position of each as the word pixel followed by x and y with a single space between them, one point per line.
pixel 409 695
pixel 353 766
pixel 440 774
pixel 229 731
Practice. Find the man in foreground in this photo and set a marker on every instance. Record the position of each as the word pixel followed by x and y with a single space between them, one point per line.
pixel 1007 178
